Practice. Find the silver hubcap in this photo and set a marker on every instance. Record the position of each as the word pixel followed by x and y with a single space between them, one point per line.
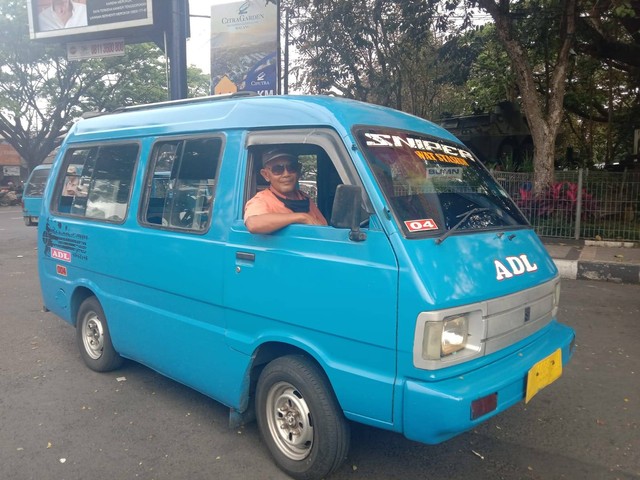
pixel 93 336
pixel 289 419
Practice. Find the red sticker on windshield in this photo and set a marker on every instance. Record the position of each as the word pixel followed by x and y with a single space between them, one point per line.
pixel 421 225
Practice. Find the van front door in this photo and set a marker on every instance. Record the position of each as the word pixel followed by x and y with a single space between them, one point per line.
pixel 312 288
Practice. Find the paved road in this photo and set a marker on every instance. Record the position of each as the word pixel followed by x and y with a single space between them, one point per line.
pixel 59 420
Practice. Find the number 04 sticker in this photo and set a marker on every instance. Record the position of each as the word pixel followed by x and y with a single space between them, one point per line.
pixel 421 225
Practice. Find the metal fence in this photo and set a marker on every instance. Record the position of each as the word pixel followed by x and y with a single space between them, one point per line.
pixel 580 204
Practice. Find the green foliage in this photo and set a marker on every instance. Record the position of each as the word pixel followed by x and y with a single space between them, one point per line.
pixel 39 92
pixel 137 77
pixel 603 102
pixel 198 83
pixel 368 50
pixel 481 68
pixel 624 10
pixel 508 164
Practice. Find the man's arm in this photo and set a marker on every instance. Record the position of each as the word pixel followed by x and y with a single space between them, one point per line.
pixel 270 222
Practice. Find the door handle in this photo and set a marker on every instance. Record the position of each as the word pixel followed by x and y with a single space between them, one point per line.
pixel 246 256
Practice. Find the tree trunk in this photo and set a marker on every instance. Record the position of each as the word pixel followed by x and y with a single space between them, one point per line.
pixel 543 109
pixel 544 146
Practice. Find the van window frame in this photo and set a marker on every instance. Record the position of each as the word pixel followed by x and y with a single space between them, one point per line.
pixel 150 171
pixel 61 178
pixel 322 137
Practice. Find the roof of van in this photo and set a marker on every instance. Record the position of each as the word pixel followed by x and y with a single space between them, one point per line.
pixel 43 166
pixel 231 112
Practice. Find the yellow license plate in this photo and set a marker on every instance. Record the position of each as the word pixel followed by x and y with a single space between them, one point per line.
pixel 544 373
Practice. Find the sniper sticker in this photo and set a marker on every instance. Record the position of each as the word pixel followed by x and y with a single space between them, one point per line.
pixel 421 225
pixel 426 150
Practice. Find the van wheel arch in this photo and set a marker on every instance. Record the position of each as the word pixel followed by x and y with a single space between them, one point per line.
pixel 265 354
pixel 80 294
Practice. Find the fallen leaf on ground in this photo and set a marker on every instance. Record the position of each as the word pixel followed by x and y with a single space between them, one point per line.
pixel 477 454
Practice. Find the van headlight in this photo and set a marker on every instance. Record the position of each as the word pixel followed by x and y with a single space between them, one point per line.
pixel 445 337
pixel 443 340
pixel 454 334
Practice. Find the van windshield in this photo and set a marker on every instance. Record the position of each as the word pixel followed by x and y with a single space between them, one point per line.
pixel 433 186
pixel 37 181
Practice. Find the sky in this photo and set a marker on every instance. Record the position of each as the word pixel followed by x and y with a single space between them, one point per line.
pixel 198 51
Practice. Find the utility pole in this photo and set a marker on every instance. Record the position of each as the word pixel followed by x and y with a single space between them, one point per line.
pixel 177 53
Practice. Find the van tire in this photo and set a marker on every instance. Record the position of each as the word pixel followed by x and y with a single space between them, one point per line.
pixel 94 340
pixel 300 419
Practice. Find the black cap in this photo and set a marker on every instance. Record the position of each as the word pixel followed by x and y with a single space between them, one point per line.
pixel 276 153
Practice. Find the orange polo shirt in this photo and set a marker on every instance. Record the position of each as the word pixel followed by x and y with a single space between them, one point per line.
pixel 266 202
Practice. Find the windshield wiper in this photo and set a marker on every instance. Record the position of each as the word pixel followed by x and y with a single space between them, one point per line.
pixel 465 216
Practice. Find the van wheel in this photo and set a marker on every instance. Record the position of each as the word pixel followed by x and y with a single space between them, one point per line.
pixel 300 419
pixel 28 222
pixel 94 341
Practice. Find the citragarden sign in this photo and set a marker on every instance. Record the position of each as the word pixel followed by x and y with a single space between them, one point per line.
pixel 244 47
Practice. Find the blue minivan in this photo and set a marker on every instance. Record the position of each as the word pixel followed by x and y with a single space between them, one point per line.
pixel 32 194
pixel 425 307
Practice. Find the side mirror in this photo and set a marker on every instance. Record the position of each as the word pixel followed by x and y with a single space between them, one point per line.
pixel 346 211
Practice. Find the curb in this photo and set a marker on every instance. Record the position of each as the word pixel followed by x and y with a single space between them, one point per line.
pixel 608 243
pixel 609 272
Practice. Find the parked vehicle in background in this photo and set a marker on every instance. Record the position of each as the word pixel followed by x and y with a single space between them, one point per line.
pixel 32 195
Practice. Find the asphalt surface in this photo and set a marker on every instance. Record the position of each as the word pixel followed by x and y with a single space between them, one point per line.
pixel 59 420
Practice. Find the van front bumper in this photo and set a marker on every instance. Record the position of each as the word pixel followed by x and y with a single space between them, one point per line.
pixel 436 411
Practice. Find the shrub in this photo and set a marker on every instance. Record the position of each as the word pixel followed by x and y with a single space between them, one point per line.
pixel 560 199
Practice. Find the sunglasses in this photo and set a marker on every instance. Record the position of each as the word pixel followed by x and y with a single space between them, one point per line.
pixel 281 167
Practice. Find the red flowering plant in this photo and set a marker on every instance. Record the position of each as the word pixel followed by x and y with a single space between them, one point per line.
pixel 559 200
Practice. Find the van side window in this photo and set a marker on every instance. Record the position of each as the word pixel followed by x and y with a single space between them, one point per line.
pixel 318 177
pixel 97 182
pixel 180 186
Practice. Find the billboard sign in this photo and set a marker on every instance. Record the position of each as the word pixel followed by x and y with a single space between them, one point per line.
pixel 244 47
pixel 64 18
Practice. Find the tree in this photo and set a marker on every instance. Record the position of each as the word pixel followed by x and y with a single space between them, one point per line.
pixel 481 68
pixel 137 77
pixel 42 94
pixel 612 28
pixel 541 84
pixel 364 49
pixel 39 93
pixel 573 67
pixel 603 98
pixel 198 83
pixel 361 49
